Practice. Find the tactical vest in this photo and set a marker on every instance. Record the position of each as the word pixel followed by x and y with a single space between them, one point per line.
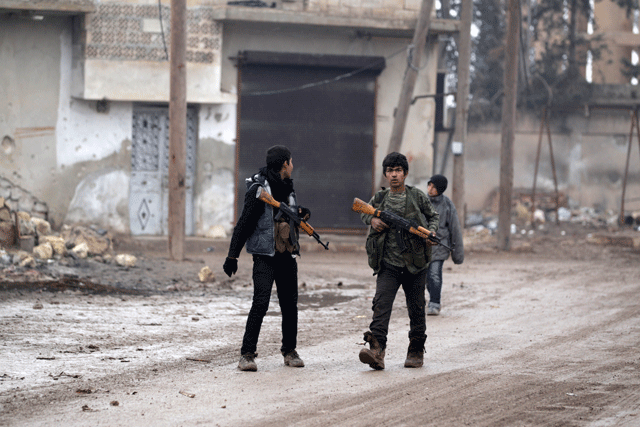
pixel 418 253
pixel 262 241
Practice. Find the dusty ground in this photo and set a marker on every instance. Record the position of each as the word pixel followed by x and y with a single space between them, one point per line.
pixel 545 335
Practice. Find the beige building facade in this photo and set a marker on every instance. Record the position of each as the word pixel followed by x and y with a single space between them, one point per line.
pixel 84 117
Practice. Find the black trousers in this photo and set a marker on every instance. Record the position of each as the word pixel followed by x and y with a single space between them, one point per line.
pixel 283 269
pixel 389 280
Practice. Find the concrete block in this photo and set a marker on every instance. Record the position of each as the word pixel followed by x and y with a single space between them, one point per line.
pixel 27 243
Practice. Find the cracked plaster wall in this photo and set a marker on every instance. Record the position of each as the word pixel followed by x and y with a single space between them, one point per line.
pixel 215 168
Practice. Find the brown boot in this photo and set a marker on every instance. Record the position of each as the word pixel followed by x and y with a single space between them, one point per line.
pixel 415 353
pixel 373 356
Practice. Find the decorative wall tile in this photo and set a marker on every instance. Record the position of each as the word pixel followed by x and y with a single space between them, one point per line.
pixel 115 32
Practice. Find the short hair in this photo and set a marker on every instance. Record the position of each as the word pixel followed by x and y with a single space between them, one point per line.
pixel 277 156
pixel 395 159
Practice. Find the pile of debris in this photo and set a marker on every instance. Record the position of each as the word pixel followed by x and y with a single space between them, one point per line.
pixel 26 241
pixel 549 209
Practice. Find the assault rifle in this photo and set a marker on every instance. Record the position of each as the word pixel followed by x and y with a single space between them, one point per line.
pixel 392 219
pixel 291 214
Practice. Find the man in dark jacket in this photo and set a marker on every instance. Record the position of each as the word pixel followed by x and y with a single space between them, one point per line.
pixel 274 246
pixel 449 233
pixel 399 259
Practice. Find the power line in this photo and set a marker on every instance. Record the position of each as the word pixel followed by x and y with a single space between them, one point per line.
pixel 162 30
pixel 323 82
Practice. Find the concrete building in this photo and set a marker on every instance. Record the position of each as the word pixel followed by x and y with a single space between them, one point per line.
pixel 85 90
pixel 590 140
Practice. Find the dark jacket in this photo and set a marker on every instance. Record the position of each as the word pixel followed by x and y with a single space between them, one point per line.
pixel 449 231
pixel 255 227
pixel 418 209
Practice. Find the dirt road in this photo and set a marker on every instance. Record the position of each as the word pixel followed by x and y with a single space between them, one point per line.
pixel 545 336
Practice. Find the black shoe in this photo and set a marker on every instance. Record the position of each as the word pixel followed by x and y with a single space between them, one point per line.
pixel 292 359
pixel 247 362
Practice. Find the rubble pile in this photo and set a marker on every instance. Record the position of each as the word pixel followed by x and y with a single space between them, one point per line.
pixel 525 220
pixel 26 241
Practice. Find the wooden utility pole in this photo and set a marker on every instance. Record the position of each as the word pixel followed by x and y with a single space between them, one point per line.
pixel 177 129
pixel 508 125
pixel 410 75
pixel 462 102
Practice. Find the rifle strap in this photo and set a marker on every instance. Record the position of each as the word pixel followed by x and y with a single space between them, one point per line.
pixel 380 196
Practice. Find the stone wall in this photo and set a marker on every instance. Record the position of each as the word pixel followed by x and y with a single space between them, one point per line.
pixel 19 199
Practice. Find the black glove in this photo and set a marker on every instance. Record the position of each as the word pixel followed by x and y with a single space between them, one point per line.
pixel 230 266
pixel 304 213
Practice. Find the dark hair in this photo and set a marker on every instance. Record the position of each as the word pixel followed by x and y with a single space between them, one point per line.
pixel 395 159
pixel 277 156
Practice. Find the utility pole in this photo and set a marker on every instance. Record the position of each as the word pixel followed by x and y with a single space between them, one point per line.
pixel 410 76
pixel 462 102
pixel 445 8
pixel 177 129
pixel 508 125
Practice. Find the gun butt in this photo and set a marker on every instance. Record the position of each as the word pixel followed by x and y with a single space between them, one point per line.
pixel 362 207
pixel 267 198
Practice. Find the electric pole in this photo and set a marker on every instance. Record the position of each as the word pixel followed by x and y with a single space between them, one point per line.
pixel 508 125
pixel 462 102
pixel 177 129
pixel 410 76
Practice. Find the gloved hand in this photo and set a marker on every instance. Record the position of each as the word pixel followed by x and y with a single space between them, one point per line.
pixel 230 266
pixel 304 213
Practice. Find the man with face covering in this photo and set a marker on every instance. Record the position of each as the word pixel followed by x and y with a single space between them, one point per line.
pixel 274 246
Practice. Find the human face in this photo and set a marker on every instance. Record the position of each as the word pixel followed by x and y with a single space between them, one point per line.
pixel 431 190
pixel 396 176
pixel 287 169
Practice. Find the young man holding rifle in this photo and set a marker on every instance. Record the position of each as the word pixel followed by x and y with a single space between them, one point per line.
pixel 272 239
pixel 399 258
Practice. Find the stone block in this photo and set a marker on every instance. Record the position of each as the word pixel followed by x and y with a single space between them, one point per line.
pixel 57 243
pixel 126 260
pixel 43 251
pixel 5 214
pixel 42 227
pixel 96 243
pixel 24 222
pixel 206 275
pixel 8 234
pixel 81 250
pixel 28 261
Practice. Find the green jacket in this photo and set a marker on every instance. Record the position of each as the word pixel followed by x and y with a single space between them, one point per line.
pixel 418 209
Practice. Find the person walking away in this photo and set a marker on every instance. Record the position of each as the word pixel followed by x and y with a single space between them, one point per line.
pixel 398 258
pixel 450 233
pixel 274 246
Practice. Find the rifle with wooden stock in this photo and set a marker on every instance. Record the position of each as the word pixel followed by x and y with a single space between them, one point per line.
pixel 291 214
pixel 392 219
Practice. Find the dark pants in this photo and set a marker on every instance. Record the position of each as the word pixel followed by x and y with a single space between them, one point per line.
pixel 283 269
pixel 434 281
pixel 390 278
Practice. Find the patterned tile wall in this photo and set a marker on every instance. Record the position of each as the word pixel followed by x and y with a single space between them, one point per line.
pixel 119 31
